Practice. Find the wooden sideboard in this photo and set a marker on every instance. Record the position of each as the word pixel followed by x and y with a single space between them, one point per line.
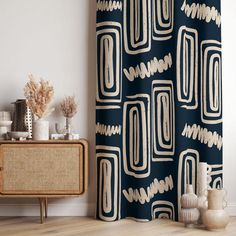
pixel 43 169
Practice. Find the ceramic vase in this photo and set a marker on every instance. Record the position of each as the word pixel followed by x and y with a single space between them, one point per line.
pixel 189 213
pixel 202 189
pixel 40 130
pixel 23 117
pixel 216 218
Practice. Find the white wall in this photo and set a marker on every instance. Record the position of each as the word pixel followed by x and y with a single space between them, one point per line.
pixel 56 40
pixel 229 99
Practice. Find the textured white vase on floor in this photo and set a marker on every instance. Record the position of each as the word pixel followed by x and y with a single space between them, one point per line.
pixel 202 189
pixel 40 130
pixel 189 199
pixel 189 213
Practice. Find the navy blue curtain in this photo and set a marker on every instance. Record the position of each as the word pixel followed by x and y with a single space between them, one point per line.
pixel 158 102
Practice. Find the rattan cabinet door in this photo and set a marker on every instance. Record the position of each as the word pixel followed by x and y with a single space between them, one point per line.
pixel 41 169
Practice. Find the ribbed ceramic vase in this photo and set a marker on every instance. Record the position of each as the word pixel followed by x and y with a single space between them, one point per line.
pixel 41 130
pixel 189 213
pixel 216 218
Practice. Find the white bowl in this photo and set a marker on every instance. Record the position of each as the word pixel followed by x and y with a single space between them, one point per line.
pixel 5 123
pixel 17 134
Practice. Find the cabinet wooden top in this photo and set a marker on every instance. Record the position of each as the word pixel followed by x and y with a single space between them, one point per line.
pixel 43 142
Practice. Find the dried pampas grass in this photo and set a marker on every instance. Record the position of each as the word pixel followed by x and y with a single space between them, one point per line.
pixel 69 106
pixel 38 96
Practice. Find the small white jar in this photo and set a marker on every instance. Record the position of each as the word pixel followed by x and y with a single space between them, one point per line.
pixel 41 130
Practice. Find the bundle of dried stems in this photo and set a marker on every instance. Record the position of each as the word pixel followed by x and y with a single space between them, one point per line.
pixel 38 96
pixel 69 106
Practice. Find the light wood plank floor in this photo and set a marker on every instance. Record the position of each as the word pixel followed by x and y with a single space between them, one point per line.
pixel 83 226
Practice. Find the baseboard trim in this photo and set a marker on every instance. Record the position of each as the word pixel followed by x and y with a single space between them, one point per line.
pixel 231 209
pixel 53 210
pixel 65 209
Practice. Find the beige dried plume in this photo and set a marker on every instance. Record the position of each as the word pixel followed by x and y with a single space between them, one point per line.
pixel 69 106
pixel 38 95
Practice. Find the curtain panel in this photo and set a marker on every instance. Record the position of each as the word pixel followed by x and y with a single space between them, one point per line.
pixel 158 104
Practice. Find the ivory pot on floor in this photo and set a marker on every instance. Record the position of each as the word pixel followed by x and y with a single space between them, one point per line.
pixel 216 218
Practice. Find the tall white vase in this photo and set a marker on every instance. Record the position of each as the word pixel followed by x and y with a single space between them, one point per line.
pixel 40 130
pixel 202 189
pixel 202 179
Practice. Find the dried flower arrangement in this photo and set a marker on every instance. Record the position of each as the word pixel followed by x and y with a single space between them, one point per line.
pixel 38 96
pixel 69 106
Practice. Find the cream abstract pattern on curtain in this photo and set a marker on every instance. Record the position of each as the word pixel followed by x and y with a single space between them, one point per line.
pixel 159 104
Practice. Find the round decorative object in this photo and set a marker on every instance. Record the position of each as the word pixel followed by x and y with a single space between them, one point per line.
pixel 18 135
pixel 189 216
pixel 215 218
pixel 41 130
pixel 189 213
pixel 189 199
